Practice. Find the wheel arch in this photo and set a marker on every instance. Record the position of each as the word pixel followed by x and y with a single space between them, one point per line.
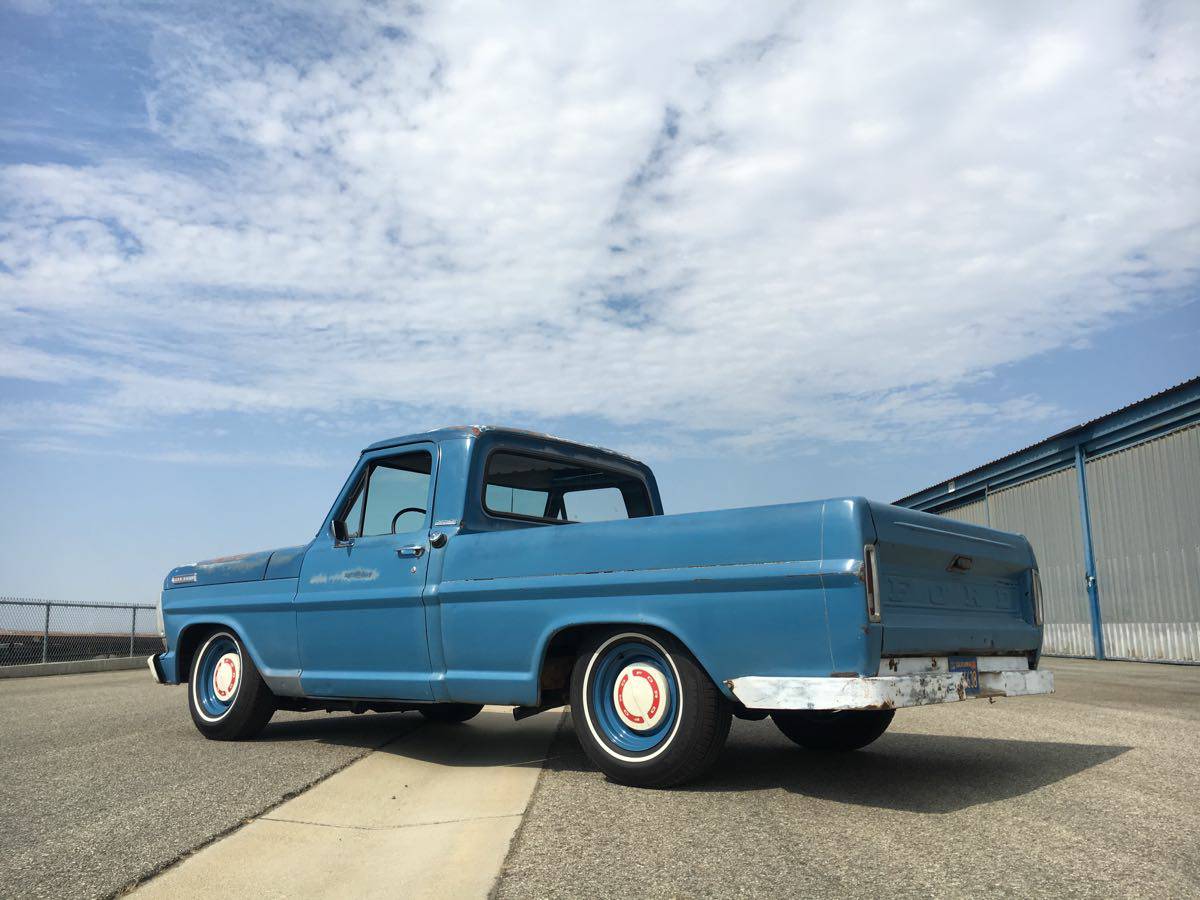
pixel 561 648
pixel 192 635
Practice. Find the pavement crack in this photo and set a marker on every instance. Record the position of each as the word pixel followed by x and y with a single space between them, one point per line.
pixel 515 815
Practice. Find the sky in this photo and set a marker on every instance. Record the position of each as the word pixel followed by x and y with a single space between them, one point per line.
pixel 780 251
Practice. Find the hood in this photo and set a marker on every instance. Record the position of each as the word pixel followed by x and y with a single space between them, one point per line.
pixel 262 564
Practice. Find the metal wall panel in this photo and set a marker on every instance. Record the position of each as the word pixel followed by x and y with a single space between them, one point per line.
pixel 1145 513
pixel 974 513
pixel 1046 510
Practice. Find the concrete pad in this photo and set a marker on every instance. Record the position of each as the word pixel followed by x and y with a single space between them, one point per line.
pixel 429 815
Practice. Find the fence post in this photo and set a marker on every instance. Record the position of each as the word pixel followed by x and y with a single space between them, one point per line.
pixel 46 636
pixel 132 628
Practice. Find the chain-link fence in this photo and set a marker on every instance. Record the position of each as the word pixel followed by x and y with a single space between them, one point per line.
pixel 39 631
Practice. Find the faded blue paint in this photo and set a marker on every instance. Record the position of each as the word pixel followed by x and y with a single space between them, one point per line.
pixel 360 618
pixel 285 563
pixel 223 570
pixel 771 591
pixel 262 613
pixel 984 610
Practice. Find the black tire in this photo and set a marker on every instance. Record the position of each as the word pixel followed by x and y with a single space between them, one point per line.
pixel 849 729
pixel 451 713
pixel 690 741
pixel 252 704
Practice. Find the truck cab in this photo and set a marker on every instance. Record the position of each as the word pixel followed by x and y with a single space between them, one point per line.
pixel 476 565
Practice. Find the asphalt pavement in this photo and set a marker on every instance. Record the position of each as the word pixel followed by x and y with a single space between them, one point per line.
pixel 104 779
pixel 1092 792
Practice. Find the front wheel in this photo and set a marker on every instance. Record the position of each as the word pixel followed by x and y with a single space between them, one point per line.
pixel 228 699
pixel 848 729
pixel 451 713
pixel 644 711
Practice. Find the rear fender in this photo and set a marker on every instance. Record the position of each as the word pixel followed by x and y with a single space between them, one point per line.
pixel 564 639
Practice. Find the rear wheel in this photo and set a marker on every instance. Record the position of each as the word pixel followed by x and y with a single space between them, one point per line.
pixel 228 699
pixel 848 729
pixel 644 711
pixel 451 713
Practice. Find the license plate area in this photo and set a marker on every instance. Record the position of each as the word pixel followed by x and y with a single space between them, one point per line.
pixel 969 667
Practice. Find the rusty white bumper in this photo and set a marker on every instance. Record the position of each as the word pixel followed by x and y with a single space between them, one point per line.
pixel 903 685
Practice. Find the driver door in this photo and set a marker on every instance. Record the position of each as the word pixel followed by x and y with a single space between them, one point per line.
pixel 360 619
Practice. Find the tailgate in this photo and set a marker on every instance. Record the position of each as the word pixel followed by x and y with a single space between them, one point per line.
pixel 947 587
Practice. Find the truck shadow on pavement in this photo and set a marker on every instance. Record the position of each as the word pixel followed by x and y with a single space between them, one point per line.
pixel 369 730
pixel 919 773
pixel 491 739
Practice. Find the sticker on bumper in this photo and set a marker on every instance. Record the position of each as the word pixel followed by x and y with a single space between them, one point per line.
pixel 969 667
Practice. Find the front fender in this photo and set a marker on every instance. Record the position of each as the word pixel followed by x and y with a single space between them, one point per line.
pixel 261 613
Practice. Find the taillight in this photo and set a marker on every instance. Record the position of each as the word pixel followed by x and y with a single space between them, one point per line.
pixel 1037 598
pixel 871 580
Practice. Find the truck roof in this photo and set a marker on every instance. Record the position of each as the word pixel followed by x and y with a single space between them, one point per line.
pixel 456 431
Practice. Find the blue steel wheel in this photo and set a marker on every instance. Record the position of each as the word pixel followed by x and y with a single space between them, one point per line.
pixel 217 677
pixel 644 710
pixel 633 696
pixel 227 696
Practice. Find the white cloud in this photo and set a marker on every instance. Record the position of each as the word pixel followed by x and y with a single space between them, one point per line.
pixel 746 220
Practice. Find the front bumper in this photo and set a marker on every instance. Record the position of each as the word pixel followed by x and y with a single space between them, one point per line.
pixel 928 685
pixel 152 663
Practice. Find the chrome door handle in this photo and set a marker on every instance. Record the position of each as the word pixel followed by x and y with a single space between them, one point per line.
pixel 412 550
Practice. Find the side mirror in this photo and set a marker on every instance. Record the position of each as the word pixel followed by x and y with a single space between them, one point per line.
pixel 341 536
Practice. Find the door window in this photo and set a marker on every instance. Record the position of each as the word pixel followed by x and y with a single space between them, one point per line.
pixel 392 498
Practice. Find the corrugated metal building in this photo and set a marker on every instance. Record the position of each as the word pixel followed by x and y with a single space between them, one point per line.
pixel 1112 508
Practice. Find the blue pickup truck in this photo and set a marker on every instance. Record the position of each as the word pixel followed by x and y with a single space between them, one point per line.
pixel 475 565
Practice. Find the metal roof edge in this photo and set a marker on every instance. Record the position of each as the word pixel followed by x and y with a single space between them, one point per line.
pixel 476 430
pixel 1168 410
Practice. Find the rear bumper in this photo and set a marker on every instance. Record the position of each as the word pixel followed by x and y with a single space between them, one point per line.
pixel 886 691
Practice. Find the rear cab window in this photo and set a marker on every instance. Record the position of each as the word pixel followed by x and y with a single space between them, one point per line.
pixel 552 490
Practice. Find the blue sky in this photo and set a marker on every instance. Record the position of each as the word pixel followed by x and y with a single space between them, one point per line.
pixel 780 252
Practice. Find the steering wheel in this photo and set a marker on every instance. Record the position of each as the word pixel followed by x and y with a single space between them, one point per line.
pixel 406 509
